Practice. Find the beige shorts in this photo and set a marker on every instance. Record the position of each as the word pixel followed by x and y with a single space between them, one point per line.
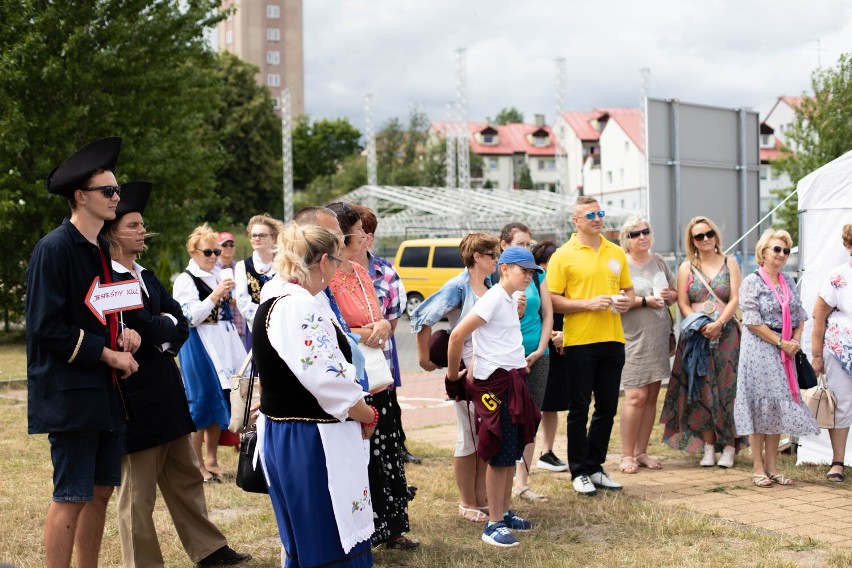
pixel 465 429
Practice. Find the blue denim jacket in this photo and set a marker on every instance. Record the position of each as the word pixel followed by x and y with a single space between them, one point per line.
pixel 455 293
pixel 696 352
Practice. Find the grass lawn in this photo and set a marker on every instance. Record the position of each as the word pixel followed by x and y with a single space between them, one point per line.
pixel 609 530
pixel 13 361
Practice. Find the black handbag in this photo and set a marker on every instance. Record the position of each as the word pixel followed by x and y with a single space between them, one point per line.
pixel 804 372
pixel 249 477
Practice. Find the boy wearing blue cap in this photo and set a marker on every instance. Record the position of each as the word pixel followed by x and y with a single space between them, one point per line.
pixel 509 418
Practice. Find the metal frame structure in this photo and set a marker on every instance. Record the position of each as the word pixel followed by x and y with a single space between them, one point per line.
pixel 439 211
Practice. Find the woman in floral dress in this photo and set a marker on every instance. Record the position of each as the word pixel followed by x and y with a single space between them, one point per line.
pixel 768 399
pixel 831 351
pixel 708 420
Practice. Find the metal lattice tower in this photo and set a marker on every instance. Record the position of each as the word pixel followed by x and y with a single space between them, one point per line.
pixel 644 191
pixel 561 152
pixel 450 138
pixel 370 135
pixel 287 154
pixel 463 141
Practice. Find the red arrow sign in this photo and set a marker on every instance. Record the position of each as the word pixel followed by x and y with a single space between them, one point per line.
pixel 103 299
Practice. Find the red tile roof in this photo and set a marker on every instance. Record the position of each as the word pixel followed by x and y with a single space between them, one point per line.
pixel 629 119
pixel 511 138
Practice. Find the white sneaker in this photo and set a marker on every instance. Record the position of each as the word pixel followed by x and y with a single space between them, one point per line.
pixel 709 459
pixel 602 481
pixel 727 457
pixel 583 485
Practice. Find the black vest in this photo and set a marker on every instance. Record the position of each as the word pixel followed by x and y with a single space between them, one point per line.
pixel 283 397
pixel 203 291
pixel 254 279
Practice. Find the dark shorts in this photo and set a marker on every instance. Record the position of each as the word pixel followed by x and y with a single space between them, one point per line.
pixel 83 459
pixel 511 450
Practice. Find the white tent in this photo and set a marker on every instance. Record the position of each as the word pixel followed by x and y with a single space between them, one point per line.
pixel 825 205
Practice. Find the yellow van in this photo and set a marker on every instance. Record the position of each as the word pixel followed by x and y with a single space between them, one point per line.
pixel 424 265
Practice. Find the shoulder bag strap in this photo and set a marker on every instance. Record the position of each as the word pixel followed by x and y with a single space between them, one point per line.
pixel 253 373
pixel 704 281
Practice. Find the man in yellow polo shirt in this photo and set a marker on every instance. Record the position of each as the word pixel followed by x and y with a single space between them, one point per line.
pixel 589 282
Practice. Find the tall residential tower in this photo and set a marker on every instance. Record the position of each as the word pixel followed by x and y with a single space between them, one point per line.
pixel 268 33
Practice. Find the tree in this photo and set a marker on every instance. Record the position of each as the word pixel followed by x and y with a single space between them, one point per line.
pixel 250 180
pixel 74 72
pixel 525 178
pixel 510 114
pixel 821 132
pixel 319 148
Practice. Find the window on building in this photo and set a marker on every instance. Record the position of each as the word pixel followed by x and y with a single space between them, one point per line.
pixel 229 37
pixel 764 172
pixel 626 146
pixel 764 140
pixel 621 176
pixel 276 103
pixel 273 80
pixel 609 176
pixel 273 34
pixel 540 141
pixel 489 139
pixel 492 163
pixel 273 11
pixel 273 57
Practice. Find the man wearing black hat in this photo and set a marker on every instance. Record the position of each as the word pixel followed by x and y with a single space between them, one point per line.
pixel 157 443
pixel 73 360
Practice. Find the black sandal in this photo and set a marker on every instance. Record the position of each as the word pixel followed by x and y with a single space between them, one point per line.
pixel 836 477
pixel 402 543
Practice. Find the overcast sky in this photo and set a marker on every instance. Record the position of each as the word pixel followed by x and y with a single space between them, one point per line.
pixel 741 53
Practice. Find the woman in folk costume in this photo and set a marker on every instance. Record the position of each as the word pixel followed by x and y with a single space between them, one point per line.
pixel 252 273
pixel 314 421
pixel 213 351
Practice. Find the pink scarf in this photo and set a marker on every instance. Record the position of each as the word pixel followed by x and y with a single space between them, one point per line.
pixel 786 329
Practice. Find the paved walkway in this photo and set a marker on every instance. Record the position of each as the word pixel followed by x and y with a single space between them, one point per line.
pixel 819 511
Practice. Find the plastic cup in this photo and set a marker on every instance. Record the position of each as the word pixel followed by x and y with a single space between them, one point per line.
pixel 658 291
pixel 226 274
pixel 614 297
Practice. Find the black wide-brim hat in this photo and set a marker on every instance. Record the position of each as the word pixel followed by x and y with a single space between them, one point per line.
pixel 134 198
pixel 75 171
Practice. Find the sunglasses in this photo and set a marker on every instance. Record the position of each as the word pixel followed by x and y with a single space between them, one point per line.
pixel 229 244
pixel 493 255
pixel 778 250
pixel 635 234
pixel 107 190
pixel 591 214
pixel 701 236
pixel 208 252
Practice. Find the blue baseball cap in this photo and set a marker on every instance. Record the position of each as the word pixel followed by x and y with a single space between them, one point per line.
pixel 520 256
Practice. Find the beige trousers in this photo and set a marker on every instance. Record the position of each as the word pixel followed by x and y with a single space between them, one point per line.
pixel 174 467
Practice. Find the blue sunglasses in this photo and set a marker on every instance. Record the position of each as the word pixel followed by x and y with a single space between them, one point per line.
pixel 591 214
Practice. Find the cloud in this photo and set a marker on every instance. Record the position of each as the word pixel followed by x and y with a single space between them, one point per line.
pixel 718 52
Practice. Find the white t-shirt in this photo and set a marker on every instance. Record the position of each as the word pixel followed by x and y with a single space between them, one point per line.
pixel 498 343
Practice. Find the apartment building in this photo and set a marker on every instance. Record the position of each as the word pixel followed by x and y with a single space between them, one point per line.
pixel 268 33
pixel 507 149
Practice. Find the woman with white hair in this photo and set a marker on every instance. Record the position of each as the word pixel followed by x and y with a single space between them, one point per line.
pixel 831 346
pixel 647 327
pixel 768 401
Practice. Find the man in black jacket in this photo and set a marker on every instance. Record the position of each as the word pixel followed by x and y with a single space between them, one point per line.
pixel 158 448
pixel 74 365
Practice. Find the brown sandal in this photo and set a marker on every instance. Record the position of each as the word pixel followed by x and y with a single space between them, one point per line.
pixel 631 466
pixel 644 460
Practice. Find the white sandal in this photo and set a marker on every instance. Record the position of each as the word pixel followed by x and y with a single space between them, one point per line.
pixel 528 494
pixel 478 516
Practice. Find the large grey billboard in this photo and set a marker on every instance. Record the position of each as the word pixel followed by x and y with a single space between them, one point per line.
pixel 702 160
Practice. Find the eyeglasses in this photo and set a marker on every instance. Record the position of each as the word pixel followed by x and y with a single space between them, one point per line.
pixel 493 255
pixel 779 250
pixel 339 261
pixel 229 244
pixel 259 236
pixel 591 214
pixel 107 190
pixel 635 234
pixel 208 252
pixel 701 236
